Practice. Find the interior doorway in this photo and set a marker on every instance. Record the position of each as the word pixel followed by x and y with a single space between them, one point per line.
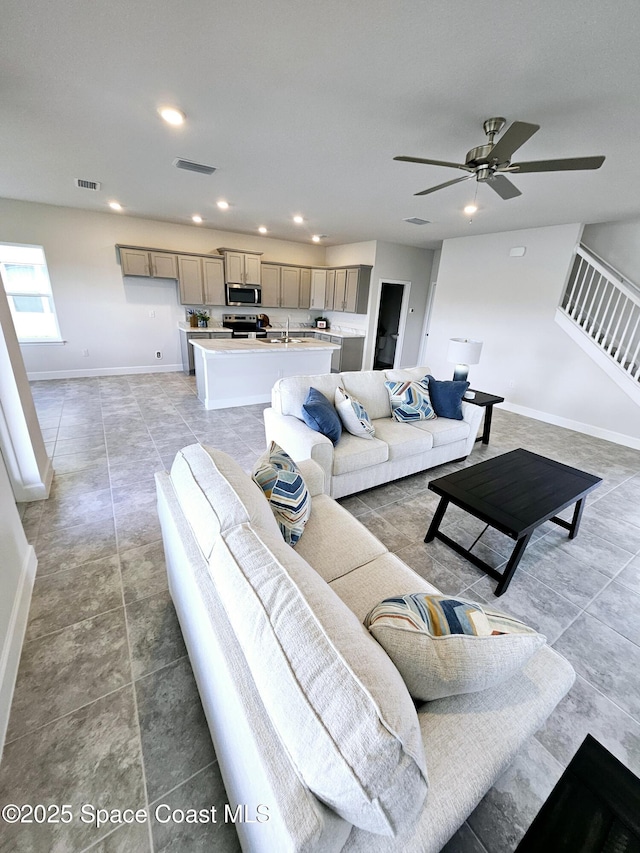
pixel 391 321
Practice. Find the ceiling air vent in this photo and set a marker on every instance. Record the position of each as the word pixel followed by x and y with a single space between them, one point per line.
pixel 415 220
pixel 88 185
pixel 190 166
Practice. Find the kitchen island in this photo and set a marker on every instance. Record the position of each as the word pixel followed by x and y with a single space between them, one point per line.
pixel 242 371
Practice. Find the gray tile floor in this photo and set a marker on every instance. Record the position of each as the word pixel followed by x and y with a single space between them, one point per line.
pixel 106 711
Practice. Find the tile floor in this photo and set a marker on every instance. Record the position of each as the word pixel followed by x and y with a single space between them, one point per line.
pixel 105 709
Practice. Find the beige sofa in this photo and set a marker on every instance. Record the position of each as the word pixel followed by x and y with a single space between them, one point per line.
pixel 315 732
pixel 354 464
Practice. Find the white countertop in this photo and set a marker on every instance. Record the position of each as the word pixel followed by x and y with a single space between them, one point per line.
pixel 185 327
pixel 243 346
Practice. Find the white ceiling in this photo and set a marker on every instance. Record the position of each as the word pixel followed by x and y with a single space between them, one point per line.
pixel 302 106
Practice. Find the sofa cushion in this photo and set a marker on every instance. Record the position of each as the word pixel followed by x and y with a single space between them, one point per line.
pixel 290 392
pixel 353 414
pixel 215 493
pixel 285 490
pixel 410 401
pixel 444 430
pixel 445 646
pixel 446 397
pixel 334 543
pixel 352 454
pixel 406 374
pixel 338 704
pixel 368 387
pixel 320 414
pixel 403 440
pixel 366 586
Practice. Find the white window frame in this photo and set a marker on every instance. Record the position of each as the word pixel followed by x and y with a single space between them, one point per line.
pixel 7 250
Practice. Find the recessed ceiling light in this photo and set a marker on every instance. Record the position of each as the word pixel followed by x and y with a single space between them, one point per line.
pixel 298 219
pixel 316 238
pixel 471 208
pixel 115 205
pixel 197 219
pixel 262 229
pixel 223 205
pixel 172 116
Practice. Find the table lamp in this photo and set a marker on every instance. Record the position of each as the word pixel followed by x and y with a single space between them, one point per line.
pixel 463 352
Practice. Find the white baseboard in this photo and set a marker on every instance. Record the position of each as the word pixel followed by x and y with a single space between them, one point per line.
pixel 12 642
pixel 103 371
pixel 577 426
pixel 36 491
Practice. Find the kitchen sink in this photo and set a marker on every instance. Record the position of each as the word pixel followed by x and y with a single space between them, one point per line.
pixel 283 340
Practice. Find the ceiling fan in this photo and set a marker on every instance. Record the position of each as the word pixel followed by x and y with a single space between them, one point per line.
pixel 487 162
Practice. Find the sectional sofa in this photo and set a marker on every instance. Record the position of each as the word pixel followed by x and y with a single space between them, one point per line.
pixel 315 732
pixel 397 449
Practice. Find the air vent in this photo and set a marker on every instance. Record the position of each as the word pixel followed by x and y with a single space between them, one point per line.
pixel 82 184
pixel 190 166
pixel 415 220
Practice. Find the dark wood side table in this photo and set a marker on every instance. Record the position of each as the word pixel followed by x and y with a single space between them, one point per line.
pixel 594 808
pixel 487 401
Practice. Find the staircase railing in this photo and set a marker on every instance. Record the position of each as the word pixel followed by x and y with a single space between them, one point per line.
pixel 606 306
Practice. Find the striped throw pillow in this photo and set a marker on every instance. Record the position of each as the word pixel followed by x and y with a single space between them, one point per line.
pixel 410 401
pixel 279 478
pixel 444 646
pixel 353 414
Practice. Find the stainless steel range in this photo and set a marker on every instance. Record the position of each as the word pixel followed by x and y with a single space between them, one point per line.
pixel 243 325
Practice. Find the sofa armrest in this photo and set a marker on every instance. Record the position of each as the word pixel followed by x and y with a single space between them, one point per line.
pixel 472 415
pixel 313 476
pixel 299 441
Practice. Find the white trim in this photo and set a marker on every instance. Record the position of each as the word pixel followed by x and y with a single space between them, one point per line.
pixel 103 371
pixel 12 645
pixel 577 426
pixel 424 340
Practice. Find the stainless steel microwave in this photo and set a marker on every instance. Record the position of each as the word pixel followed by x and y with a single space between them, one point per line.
pixel 244 294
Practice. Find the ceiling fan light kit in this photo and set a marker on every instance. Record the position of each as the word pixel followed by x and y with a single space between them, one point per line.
pixel 487 162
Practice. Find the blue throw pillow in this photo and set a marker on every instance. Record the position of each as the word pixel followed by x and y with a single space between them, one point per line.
pixel 446 396
pixel 319 414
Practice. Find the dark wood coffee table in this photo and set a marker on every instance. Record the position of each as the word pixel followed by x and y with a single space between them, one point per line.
pixel 514 493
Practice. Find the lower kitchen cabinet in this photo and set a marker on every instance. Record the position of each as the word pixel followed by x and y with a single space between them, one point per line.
pixel 348 357
pixel 186 335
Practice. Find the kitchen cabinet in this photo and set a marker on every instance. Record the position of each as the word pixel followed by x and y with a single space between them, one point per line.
pixel 201 280
pixel 151 264
pixel 350 290
pixel 285 286
pixel 318 289
pixel 349 356
pixel 330 289
pixel 241 267
pixel 305 288
pixel 186 349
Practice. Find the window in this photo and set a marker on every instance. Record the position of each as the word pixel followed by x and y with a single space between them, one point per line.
pixel 26 282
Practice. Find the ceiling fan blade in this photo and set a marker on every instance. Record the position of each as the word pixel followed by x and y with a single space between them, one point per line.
pixel 503 187
pixel 434 163
pixel 511 140
pixel 446 184
pixel 569 164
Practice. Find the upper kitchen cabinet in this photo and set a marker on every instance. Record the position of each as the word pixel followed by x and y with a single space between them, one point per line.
pixel 305 288
pixel 318 289
pixel 350 291
pixel 285 286
pixel 201 280
pixel 241 267
pixel 148 263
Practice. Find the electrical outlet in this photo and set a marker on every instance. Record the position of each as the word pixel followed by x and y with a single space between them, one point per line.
pixel 152 314
pixel 85 352
pixel 512 384
pixel 158 354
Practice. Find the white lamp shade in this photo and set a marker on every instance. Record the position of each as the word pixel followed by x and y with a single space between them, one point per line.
pixel 464 351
